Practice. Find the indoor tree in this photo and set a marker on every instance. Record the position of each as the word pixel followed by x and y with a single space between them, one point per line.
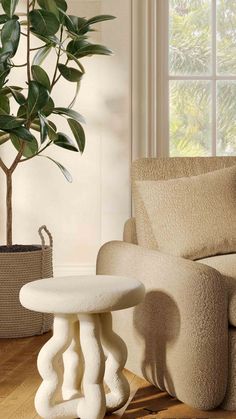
pixel 30 130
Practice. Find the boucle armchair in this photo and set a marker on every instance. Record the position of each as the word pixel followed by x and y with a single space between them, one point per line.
pixel 182 338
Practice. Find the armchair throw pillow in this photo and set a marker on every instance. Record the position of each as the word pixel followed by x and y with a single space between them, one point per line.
pixel 192 217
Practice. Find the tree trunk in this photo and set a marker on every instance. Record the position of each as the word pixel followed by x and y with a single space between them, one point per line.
pixel 9 209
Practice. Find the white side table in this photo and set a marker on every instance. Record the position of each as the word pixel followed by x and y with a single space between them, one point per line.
pixel 92 353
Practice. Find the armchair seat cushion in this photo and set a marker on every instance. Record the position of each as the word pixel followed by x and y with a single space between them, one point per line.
pixel 226 265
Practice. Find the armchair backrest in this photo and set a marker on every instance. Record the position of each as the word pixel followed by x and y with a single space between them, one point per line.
pixel 175 167
pixel 169 168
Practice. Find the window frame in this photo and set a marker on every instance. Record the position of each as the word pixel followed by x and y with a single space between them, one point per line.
pixel 164 78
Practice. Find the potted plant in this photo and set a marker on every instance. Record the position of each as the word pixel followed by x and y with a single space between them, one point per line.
pixel 31 131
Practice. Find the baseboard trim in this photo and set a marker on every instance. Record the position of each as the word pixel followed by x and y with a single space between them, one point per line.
pixel 70 270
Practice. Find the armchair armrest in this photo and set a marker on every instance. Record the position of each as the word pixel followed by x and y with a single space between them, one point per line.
pixel 178 337
pixel 130 233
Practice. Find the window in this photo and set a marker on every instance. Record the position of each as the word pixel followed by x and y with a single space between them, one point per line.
pixel 200 88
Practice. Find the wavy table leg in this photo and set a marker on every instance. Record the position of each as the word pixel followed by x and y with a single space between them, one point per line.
pixel 116 353
pixel 50 372
pixel 73 365
pixel 81 342
pixel 93 405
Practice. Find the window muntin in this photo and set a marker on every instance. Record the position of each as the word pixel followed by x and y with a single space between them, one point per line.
pixel 202 77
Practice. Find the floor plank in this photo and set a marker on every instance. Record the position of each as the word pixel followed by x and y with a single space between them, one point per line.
pixel 19 381
pixel 20 364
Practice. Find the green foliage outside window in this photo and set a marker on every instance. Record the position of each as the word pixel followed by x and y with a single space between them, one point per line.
pixel 191 55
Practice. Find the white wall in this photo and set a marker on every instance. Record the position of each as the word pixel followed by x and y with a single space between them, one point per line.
pixel 92 210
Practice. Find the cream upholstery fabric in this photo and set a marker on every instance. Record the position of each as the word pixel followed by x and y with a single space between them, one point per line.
pixel 178 338
pixel 169 168
pixel 190 217
pixel 229 402
pixel 226 265
pixel 173 337
pixel 130 235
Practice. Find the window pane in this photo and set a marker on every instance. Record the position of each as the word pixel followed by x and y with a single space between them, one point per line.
pixel 190 118
pixel 226 36
pixel 226 97
pixel 190 37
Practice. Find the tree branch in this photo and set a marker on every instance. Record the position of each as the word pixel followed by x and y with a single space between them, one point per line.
pixel 17 159
pixel 18 65
pixel 9 209
pixel 37 48
pixel 3 166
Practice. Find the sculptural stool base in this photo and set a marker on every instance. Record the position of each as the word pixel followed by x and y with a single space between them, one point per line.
pixel 92 354
pixel 84 352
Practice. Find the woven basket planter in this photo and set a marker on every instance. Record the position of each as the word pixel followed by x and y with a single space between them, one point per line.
pixel 17 269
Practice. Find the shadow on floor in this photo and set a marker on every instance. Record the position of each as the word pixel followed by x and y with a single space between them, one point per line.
pixel 150 402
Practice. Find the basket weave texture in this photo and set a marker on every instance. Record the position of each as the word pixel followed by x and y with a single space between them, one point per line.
pixel 16 270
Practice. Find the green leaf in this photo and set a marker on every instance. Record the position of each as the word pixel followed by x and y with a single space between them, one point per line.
pixel 16 142
pixel 52 133
pixel 50 6
pixel 4 105
pixel 3 19
pixel 8 122
pixel 40 75
pixel 9 6
pixel 3 74
pixel 65 142
pixel 100 18
pixel 10 36
pixel 18 96
pixel 62 169
pixel 41 55
pixel 70 113
pixel 48 39
pixel 22 112
pixel 78 133
pixel 51 127
pixel 6 54
pixel 30 148
pixel 51 124
pixel 43 128
pixel 62 5
pixel 80 26
pixel 48 109
pixel 93 49
pixel 75 45
pixel 70 73
pixel 7 90
pixel 38 97
pixel 76 24
pixel 72 57
pixel 24 134
pixel 75 96
pixel 44 22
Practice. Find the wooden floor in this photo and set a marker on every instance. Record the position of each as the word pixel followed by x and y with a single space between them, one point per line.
pixel 19 380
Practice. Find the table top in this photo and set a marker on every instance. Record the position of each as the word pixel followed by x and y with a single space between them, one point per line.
pixel 82 294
